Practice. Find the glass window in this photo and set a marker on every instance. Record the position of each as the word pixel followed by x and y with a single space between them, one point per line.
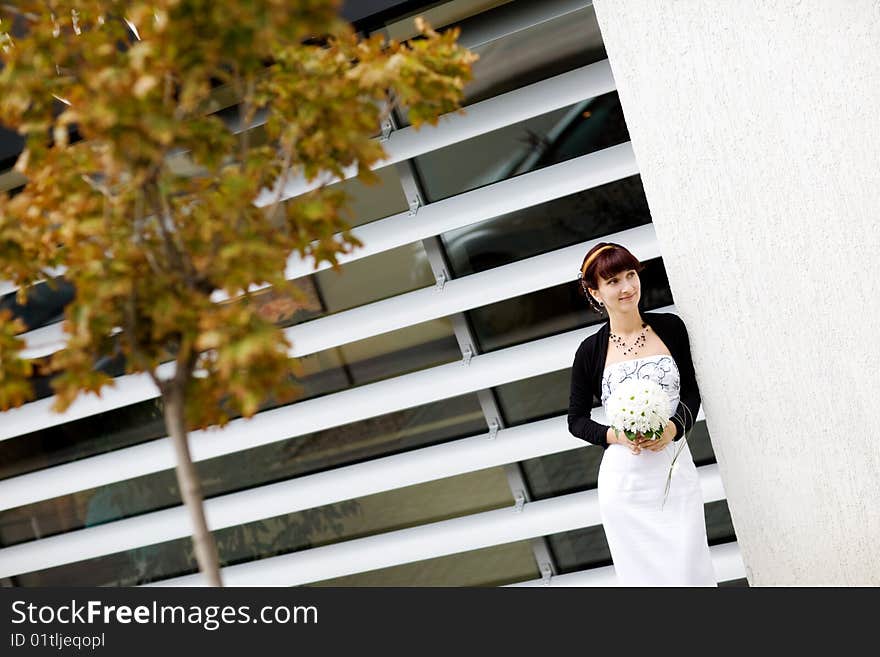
pixel 11 145
pixel 541 51
pixel 387 274
pixel 429 502
pixel 45 304
pixel 579 549
pixel 383 275
pixel 518 44
pixel 497 565
pixel 89 436
pixel 439 15
pixel 41 382
pixel 585 215
pixel 535 398
pixel 370 202
pixel 719 526
pixel 533 144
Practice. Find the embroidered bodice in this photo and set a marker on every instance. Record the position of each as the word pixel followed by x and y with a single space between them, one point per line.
pixel 659 367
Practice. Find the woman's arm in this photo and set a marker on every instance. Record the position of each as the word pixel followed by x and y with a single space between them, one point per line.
pixel 580 403
pixel 689 396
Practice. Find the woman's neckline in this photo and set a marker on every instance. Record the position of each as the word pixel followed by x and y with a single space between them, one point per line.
pixel 629 360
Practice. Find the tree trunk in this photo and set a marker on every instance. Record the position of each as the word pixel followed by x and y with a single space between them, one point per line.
pixel 190 487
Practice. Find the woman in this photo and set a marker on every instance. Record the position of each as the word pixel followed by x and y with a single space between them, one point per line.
pixel 650 545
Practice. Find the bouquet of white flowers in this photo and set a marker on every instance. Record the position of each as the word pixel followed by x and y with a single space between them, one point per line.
pixel 641 406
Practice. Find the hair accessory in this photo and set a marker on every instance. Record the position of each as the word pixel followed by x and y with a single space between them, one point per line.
pixel 593 257
pixel 590 299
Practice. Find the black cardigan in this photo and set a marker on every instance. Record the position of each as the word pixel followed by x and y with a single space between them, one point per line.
pixel 589 365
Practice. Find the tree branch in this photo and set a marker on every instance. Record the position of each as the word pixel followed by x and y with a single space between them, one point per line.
pixel 246 112
pixel 186 360
pixel 139 235
pixel 101 189
pixel 130 336
pixel 285 170
pixel 162 215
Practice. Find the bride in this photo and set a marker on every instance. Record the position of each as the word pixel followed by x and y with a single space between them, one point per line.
pixel 650 545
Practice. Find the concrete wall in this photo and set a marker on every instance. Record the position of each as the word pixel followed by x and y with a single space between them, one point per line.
pixel 755 126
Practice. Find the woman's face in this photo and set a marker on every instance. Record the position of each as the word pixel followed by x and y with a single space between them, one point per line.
pixel 621 292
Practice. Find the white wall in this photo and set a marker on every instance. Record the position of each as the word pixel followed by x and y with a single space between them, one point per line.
pixel 755 126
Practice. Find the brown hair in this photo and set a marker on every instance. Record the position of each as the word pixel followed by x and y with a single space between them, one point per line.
pixel 606 264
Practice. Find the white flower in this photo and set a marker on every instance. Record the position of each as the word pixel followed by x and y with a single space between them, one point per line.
pixel 639 405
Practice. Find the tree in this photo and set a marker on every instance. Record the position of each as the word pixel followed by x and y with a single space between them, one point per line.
pixel 108 96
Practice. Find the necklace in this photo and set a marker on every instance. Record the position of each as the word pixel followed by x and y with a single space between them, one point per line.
pixel 620 343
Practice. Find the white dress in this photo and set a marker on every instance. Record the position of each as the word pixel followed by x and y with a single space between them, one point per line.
pixel 650 546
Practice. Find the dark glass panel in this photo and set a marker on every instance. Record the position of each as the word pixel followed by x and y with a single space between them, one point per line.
pixel 585 215
pixel 533 144
pixel 45 303
pixel 521 54
pixel 492 566
pixel 542 51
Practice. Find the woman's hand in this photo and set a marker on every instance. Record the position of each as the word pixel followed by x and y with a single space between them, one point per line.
pixel 634 446
pixel 668 434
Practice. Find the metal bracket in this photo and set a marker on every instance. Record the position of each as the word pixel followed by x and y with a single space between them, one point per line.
pixel 546 573
pixel 493 429
pixel 520 499
pixel 441 281
pixel 414 205
pixel 387 127
pixel 467 353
